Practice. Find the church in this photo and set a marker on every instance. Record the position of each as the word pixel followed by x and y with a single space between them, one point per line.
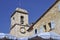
pixel 46 27
pixel 48 22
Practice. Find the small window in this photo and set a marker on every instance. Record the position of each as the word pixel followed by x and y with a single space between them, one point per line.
pixel 35 31
pixel 51 24
pixel 13 18
pixel 22 19
pixel 44 27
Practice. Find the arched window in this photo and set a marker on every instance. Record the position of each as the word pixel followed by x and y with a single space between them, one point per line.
pixel 22 19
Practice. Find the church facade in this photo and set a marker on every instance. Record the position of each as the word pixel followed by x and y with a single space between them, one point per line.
pixel 49 21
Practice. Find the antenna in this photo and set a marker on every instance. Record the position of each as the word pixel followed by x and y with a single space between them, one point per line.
pixel 19 3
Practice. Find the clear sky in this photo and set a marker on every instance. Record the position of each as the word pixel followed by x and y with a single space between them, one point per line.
pixel 35 8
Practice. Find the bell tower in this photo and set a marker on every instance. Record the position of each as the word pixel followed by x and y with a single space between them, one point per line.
pixel 19 22
pixel 20 16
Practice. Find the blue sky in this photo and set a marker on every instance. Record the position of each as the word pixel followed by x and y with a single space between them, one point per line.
pixel 35 8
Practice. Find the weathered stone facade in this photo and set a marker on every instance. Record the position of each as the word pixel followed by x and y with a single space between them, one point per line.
pixel 16 23
pixel 51 15
pixel 49 21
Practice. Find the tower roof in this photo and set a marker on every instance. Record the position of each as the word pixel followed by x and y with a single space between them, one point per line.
pixel 20 10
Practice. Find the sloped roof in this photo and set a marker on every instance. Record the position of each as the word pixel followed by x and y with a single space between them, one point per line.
pixel 43 15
